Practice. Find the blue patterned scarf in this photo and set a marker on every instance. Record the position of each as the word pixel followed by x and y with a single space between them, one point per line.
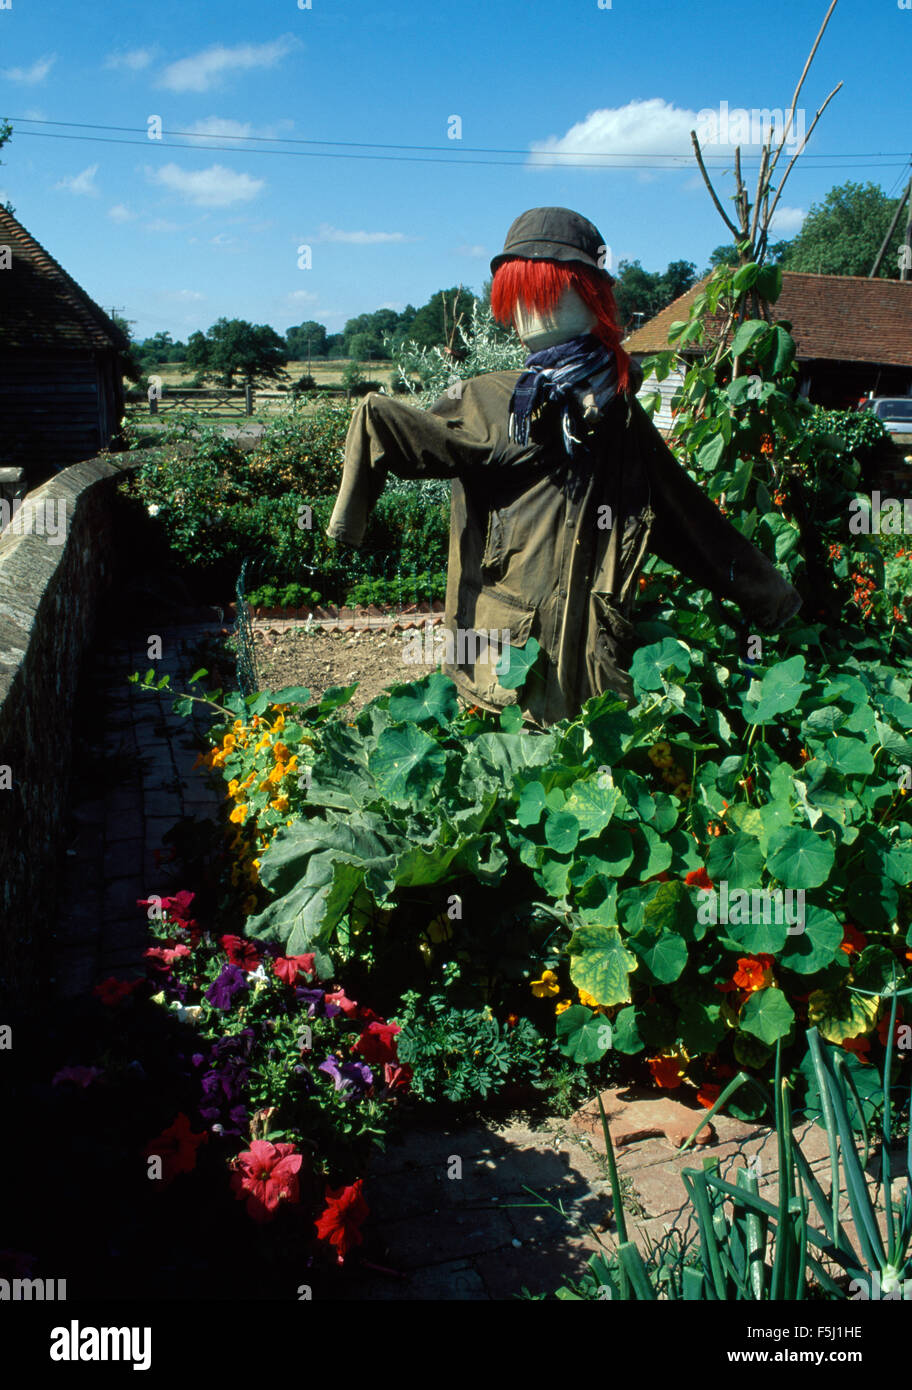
pixel 552 376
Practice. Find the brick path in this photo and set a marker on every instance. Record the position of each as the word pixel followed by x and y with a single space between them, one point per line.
pixel 137 758
pixel 439 1235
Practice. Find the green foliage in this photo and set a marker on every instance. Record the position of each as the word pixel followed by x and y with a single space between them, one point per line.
pixel 843 234
pixel 483 346
pixel 233 347
pixel 458 1054
pixel 644 292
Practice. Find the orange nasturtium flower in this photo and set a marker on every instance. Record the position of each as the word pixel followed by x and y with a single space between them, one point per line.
pixel 587 1000
pixel 852 939
pixel 546 986
pixel 668 1069
pixel 562 1004
pixel 754 972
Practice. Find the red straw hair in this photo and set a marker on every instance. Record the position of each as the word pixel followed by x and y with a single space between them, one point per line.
pixel 540 284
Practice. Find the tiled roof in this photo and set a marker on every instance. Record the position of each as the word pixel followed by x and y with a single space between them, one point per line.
pixel 842 318
pixel 41 305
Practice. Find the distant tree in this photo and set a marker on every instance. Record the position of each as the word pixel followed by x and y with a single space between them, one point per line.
pixel 156 349
pixel 641 294
pixel 307 340
pixel 434 325
pixel 6 131
pixel 335 345
pixel 131 361
pixel 843 234
pixel 234 347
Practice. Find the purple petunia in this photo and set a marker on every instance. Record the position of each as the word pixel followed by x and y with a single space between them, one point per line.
pixel 353 1077
pixel 223 989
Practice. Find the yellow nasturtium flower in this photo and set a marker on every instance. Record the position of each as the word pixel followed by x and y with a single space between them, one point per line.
pixel 561 1005
pixel 547 986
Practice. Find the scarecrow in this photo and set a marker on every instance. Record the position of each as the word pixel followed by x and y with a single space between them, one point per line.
pixel 561 487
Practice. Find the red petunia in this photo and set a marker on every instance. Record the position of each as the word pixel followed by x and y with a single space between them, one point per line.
pixel 288 968
pixel 341 1222
pixel 166 955
pixel 112 990
pixel 341 1001
pixel 698 878
pixel 266 1174
pixel 240 952
pixel 377 1044
pixel 396 1075
pixel 176 1147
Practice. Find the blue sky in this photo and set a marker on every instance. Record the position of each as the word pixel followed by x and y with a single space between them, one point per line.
pixel 177 232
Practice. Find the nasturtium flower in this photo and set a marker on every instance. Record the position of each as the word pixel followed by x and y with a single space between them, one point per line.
pixel 239 814
pixel 853 940
pixel 668 1069
pixel 708 1094
pixel 698 878
pixel 562 1004
pixel 546 986
pixel 587 1000
pixel 753 973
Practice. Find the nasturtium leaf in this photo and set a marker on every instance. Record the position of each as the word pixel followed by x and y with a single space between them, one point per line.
pixel 838 1014
pixel 652 853
pixel 767 1015
pixel 824 720
pixel 290 695
pixel 562 832
pixel 872 900
pixel 849 755
pixel 553 874
pixel 898 863
pixel 649 663
pixel 702 1025
pixel 625 1034
pixel 600 963
pixel 764 928
pixel 592 805
pixel 405 763
pixel 511 719
pixel 531 804
pixel 735 858
pixel 799 858
pixel 778 692
pixel 431 698
pixel 750 1052
pixel 663 953
pixel 669 908
pixel 613 852
pixel 514 665
pixel 817 946
pixel 582 1035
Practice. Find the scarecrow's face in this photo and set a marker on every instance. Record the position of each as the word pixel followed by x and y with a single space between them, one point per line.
pixel 544 328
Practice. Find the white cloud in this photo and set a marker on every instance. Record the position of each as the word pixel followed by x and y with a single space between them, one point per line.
pixel 651 127
pixel 134 59
pixel 787 221
pixel 220 127
pixel 301 297
pixel 120 213
pixel 182 295
pixel 329 233
pixel 479 252
pixel 82 184
pixel 215 187
pixel 160 224
pixel 205 70
pixel 36 73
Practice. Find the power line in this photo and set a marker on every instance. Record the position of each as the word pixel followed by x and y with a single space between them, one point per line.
pixel 455 157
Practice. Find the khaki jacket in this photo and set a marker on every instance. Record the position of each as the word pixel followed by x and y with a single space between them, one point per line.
pixel 539 549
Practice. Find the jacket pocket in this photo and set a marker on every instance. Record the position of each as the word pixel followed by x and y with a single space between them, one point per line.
pixel 488 623
pixel 611 647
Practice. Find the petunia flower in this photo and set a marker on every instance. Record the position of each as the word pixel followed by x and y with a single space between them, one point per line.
pixel 288 968
pixel 377 1044
pixel 341 1222
pixel 225 986
pixel 176 1147
pixel 266 1174
pixel 240 951
pixel 112 990
pixel 80 1076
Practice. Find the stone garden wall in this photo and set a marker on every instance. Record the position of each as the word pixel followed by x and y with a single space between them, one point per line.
pixel 53 574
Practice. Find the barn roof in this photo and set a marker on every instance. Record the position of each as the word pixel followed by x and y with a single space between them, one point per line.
pixel 41 305
pixel 840 318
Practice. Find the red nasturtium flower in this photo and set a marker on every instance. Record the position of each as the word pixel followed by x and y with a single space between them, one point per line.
pixel 860 1046
pixel 240 952
pixel 708 1094
pixel 288 968
pixel 341 1222
pixel 698 878
pixel 176 1146
pixel 266 1174
pixel 883 1027
pixel 667 1071
pixel 112 990
pixel 753 972
pixel 852 939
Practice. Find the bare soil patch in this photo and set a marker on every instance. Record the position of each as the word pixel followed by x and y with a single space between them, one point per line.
pixel 320 659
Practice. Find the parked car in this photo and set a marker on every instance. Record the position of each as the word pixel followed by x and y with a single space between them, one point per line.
pixel 894 411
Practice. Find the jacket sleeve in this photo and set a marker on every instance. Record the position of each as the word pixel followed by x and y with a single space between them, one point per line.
pixel 690 533
pixel 387 435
